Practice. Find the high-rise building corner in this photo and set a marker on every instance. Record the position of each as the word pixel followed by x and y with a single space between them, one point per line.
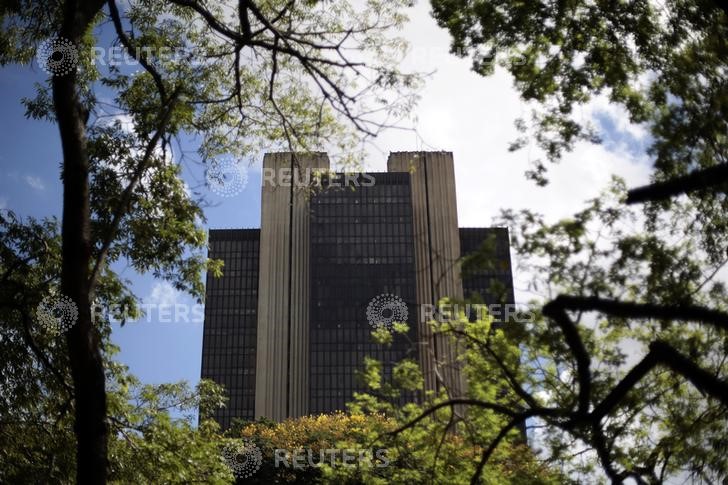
pixel 288 325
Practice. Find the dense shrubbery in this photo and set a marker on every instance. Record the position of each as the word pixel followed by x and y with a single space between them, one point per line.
pixel 410 456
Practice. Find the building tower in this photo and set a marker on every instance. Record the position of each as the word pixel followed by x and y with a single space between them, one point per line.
pixel 286 327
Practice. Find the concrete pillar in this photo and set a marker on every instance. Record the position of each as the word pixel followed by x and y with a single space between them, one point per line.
pixel 281 386
pixel 437 251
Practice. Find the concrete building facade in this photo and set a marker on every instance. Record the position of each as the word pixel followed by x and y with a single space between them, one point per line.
pixel 292 344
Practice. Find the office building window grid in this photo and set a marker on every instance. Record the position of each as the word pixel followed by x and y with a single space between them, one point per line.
pixel 361 247
pixel 229 337
pixel 489 282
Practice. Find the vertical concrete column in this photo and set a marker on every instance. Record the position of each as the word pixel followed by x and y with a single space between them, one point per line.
pixel 437 251
pixel 281 386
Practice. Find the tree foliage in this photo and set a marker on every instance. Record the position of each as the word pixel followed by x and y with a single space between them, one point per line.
pixel 620 374
pixel 254 75
pixel 385 458
pixel 603 257
pixel 241 76
pixel 663 62
pixel 147 443
pixel 627 356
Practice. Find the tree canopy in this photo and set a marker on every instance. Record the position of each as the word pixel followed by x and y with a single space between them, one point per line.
pixel 614 283
pixel 663 63
pixel 306 75
pixel 242 76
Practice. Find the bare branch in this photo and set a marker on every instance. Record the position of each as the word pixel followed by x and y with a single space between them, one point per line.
pixel 710 178
pixel 555 310
pixel 134 52
pixel 643 310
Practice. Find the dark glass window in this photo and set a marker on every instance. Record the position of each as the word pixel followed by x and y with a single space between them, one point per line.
pixel 231 319
pixel 487 277
pixel 361 247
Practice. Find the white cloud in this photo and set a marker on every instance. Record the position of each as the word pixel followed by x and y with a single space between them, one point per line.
pixel 34 182
pixel 125 121
pixel 187 189
pixel 619 116
pixel 473 116
pixel 163 294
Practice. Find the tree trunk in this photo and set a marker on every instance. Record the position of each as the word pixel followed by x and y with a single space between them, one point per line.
pixel 83 339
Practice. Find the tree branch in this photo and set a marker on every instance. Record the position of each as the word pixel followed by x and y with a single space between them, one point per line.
pixel 30 342
pixel 700 378
pixel 625 385
pixel 491 448
pixel 135 53
pixel 709 178
pixel 555 310
pixel 623 309
pixel 126 195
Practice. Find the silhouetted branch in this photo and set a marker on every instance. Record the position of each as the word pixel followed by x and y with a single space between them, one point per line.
pixel 623 309
pixel 451 402
pixel 624 386
pixel 556 311
pixel 302 47
pixel 134 52
pixel 662 353
pixel 709 178
pixel 487 452
pixel 585 423
pixel 700 378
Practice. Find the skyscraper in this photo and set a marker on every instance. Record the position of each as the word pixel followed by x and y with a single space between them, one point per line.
pixel 289 323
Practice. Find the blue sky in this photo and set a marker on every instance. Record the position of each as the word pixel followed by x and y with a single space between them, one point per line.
pixel 459 112
pixel 30 155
